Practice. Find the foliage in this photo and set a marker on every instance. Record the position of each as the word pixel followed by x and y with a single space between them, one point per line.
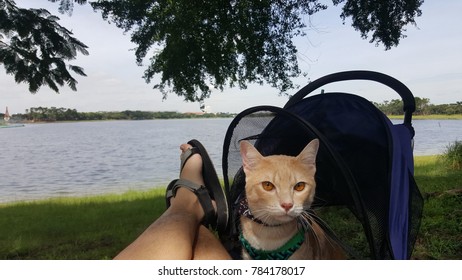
pixel 44 114
pixel 38 114
pixel 220 43
pixel 198 45
pixel 34 47
pixel 202 43
pixel 385 19
pixel 453 155
pixel 423 107
pixel 67 6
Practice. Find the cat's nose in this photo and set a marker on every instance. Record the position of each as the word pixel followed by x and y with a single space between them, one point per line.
pixel 287 206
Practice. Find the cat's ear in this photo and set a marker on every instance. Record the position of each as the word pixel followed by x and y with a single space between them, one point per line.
pixel 308 155
pixel 250 155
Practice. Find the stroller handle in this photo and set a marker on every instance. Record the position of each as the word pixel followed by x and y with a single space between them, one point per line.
pixel 400 88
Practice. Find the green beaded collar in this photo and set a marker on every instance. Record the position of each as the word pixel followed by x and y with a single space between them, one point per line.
pixel 282 253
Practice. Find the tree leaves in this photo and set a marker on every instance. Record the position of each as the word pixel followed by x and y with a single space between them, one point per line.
pixel 67 6
pixel 193 46
pixel 34 48
pixel 383 20
pixel 198 45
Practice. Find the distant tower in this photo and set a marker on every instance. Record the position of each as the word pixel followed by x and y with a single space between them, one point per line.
pixel 6 117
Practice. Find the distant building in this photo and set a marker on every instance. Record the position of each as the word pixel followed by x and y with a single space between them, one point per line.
pixel 195 113
pixel 6 117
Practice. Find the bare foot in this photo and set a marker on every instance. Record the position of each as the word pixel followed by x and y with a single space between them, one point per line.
pixel 185 200
pixel 192 170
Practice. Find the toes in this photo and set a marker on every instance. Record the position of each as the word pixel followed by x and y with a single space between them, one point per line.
pixel 185 147
pixel 191 167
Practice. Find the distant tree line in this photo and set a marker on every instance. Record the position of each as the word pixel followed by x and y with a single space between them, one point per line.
pixel 423 107
pixel 44 114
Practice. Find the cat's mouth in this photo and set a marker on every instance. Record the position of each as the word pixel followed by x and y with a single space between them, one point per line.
pixel 275 219
pixel 285 216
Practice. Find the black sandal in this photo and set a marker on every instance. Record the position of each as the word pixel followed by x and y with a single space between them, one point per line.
pixel 212 190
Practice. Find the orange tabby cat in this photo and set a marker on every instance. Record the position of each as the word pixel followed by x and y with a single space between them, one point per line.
pixel 278 190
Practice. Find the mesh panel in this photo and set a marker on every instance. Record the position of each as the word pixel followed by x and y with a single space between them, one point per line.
pixel 415 214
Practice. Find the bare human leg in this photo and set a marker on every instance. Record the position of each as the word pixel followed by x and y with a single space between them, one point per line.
pixel 178 233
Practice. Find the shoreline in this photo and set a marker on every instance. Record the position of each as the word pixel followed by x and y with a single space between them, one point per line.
pixel 76 197
pixel 393 117
pixel 109 120
pixel 428 117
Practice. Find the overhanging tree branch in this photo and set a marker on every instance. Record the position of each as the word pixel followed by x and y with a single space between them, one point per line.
pixel 194 46
pixel 34 47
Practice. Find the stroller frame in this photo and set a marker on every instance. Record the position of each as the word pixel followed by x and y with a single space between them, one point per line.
pixel 389 215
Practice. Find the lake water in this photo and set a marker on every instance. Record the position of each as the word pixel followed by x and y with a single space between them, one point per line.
pixel 82 158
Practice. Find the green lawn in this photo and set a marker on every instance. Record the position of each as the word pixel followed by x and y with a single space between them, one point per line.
pixel 429 117
pixel 76 228
pixel 441 230
pixel 99 227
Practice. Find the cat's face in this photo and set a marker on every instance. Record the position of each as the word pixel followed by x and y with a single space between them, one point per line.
pixel 279 187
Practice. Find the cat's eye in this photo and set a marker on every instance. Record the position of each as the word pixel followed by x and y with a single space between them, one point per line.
pixel 300 186
pixel 267 186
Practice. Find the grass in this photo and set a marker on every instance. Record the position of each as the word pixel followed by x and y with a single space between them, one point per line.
pixel 453 155
pixel 441 230
pixel 76 228
pixel 99 227
pixel 429 117
pixel 440 180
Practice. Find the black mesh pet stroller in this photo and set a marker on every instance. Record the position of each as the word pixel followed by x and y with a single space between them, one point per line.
pixel 364 164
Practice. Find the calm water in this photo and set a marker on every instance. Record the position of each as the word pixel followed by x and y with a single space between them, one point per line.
pixel 46 160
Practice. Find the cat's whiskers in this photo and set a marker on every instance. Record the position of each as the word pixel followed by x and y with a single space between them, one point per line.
pixel 269 224
pixel 271 213
pixel 306 221
pixel 317 220
pixel 266 216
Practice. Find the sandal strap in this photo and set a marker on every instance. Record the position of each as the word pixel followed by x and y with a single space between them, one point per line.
pixel 213 185
pixel 203 196
pixel 217 219
pixel 186 155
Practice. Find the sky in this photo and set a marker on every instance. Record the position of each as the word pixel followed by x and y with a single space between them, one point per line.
pixel 428 61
